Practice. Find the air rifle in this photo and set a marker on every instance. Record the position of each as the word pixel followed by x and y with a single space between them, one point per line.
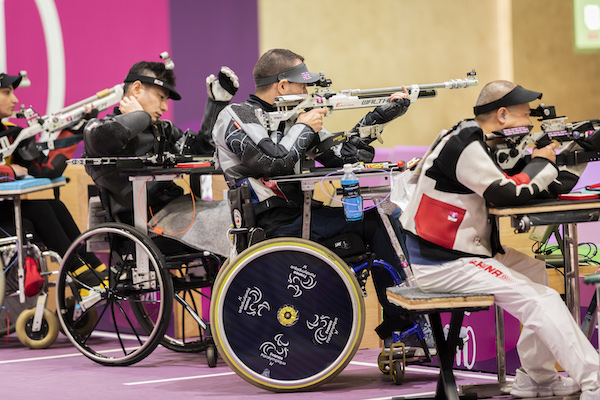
pixel 51 125
pixel 517 140
pixel 289 106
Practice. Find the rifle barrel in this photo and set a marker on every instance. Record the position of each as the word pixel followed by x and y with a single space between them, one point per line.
pixel 451 84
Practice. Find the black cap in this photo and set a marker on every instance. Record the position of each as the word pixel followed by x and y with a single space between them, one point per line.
pixel 297 74
pixel 518 95
pixel 7 80
pixel 155 81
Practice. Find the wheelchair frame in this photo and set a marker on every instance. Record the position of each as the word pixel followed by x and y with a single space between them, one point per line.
pixel 136 284
pixel 35 325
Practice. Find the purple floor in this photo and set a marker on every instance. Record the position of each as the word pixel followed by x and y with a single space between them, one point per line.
pixel 61 372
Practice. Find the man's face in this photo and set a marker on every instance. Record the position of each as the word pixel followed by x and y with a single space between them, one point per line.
pixel 153 100
pixel 8 100
pixel 517 116
pixel 292 87
pixel 295 88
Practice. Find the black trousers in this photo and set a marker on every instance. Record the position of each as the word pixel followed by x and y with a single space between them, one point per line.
pixel 48 220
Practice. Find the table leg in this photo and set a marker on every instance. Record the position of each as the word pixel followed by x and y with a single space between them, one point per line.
pixel 22 255
pixel 572 270
pixel 446 387
pixel 140 204
pixel 306 216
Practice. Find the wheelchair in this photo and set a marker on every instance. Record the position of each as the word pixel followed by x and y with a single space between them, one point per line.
pixel 23 309
pixel 117 313
pixel 288 313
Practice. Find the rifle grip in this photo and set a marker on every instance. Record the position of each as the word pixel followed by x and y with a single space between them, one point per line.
pixel 543 141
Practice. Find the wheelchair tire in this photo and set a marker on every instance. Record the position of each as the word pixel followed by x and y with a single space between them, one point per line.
pixel 117 336
pixel 42 339
pixel 287 315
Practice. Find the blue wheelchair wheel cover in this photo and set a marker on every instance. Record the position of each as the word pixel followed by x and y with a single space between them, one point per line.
pixel 288 314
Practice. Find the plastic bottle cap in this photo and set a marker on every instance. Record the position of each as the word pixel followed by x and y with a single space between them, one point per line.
pixel 347 167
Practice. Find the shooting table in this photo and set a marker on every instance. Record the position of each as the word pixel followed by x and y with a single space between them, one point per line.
pixel 139 175
pixel 370 190
pixel 14 190
pixel 557 212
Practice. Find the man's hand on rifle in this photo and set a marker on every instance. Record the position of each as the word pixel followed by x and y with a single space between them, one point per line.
pixel 130 104
pixel 545 152
pixel 313 118
pixel 400 95
pixel 224 87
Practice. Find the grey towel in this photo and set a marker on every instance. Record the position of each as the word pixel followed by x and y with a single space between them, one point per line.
pixel 209 230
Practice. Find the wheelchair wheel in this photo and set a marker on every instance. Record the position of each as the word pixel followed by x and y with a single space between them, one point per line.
pixel 42 339
pixel 287 315
pixel 192 276
pixel 96 311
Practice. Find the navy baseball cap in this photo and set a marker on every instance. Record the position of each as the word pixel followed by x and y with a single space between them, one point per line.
pixel 7 80
pixel 518 95
pixel 155 81
pixel 297 74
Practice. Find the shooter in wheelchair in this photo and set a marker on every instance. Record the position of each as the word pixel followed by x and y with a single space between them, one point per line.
pixel 48 227
pixel 258 141
pixel 132 304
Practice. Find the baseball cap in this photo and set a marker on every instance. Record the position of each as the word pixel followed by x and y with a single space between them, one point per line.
pixel 155 81
pixel 297 74
pixel 518 95
pixel 7 80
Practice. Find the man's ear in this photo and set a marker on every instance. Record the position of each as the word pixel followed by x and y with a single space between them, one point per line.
pixel 137 88
pixel 501 115
pixel 282 86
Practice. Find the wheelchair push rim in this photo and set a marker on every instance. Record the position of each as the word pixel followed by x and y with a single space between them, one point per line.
pixel 288 314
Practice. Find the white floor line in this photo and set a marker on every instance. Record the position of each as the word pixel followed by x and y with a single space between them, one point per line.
pixel 435 370
pixel 406 396
pixel 181 378
pixel 58 356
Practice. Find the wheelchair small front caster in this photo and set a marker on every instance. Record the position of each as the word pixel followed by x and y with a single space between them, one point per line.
pixel 211 355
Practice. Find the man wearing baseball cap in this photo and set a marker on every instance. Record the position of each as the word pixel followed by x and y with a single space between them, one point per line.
pixel 136 129
pixel 248 151
pixel 454 246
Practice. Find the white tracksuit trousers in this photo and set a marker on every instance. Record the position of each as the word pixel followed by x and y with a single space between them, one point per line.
pixel 519 284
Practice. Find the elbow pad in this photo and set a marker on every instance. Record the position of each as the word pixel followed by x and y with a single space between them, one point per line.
pixel 135 122
pixel 111 134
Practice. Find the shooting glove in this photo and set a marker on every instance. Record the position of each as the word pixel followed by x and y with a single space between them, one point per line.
pixel 391 110
pixel 356 150
pixel 223 88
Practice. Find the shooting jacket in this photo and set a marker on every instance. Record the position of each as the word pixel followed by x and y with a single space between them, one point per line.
pixel 456 180
pixel 133 134
pixel 247 151
pixel 38 164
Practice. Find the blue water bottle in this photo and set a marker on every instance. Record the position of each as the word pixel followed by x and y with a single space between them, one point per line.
pixel 353 207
